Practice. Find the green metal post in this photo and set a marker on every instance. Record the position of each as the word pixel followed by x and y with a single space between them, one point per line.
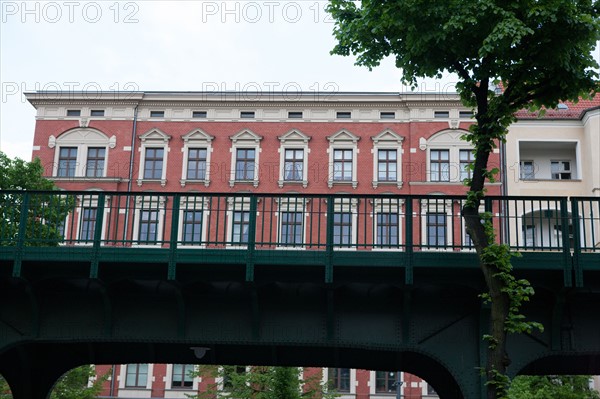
pixel 408 223
pixel 172 273
pixel 576 241
pixel 329 241
pixel 566 247
pixel 97 235
pixel 21 236
pixel 251 239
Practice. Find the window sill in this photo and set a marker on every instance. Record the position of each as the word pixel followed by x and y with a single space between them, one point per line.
pixel 163 182
pixel 191 181
pixel 88 179
pixel 282 183
pixel 234 182
pixel 377 249
pixel 376 184
pixel 332 183
pixel 191 246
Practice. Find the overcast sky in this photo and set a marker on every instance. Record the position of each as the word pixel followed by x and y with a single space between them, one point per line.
pixel 170 45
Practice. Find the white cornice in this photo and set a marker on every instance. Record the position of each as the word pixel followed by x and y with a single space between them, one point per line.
pixel 244 99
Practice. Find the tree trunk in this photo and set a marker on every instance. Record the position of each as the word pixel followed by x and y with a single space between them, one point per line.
pixel 497 359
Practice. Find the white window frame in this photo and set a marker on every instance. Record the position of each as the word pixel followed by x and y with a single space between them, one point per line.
pixel 348 205
pixel 169 384
pixel 151 200
pixel 440 206
pixel 383 395
pixel 561 163
pixel 291 205
pixel 342 395
pixel 196 139
pixel 293 140
pixel 82 139
pixel 343 140
pixel 200 205
pixel 381 206
pixel 449 139
pixel 154 138
pixel 236 204
pixel 90 201
pixel 245 139
pixel 387 140
pixel 136 391
pixel 469 173
pixel 522 175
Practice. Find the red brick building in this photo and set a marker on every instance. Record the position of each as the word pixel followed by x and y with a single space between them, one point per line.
pixel 312 143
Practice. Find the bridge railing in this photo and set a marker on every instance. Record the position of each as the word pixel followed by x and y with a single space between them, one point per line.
pixel 290 221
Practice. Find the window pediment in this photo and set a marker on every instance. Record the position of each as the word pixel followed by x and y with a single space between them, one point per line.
pixel 89 137
pixel 448 138
pixel 197 135
pixel 387 136
pixel 247 136
pixel 294 136
pixel 155 135
pixel 343 136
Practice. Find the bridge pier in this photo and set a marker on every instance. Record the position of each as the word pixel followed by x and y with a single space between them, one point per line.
pixel 31 384
pixel 30 375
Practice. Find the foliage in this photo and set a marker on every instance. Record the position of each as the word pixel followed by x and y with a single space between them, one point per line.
pixel 4 389
pixel 551 387
pixel 538 50
pixel 74 384
pixel 46 213
pixel 261 382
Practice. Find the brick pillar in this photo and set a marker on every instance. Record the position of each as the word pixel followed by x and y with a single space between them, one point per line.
pixel 363 390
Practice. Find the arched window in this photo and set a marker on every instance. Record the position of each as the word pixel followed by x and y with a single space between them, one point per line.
pixel 448 156
pixel 81 152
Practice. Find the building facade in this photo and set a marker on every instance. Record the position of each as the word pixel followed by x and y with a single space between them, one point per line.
pixel 306 143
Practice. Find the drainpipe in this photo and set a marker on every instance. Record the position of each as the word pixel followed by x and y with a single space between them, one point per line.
pixel 133 133
pixel 131 159
pixel 113 375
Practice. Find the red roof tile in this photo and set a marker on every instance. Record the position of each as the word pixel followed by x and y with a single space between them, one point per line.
pixel 574 111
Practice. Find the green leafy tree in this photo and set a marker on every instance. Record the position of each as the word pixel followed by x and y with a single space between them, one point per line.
pixel 4 389
pixel 541 52
pixel 552 387
pixel 46 213
pixel 74 384
pixel 261 382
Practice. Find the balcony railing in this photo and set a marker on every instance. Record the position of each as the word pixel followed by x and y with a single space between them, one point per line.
pixel 291 221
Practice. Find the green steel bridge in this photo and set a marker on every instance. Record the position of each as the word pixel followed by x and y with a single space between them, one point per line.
pixel 375 282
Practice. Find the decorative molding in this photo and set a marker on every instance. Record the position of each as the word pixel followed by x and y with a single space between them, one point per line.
pixel 155 134
pixel 343 135
pixel 422 143
pixel 294 135
pixel 246 135
pixel 51 141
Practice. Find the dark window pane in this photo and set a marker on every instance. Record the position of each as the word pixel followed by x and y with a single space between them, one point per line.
pixel 67 161
pixel 196 167
pixel 245 164
pixel 153 163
